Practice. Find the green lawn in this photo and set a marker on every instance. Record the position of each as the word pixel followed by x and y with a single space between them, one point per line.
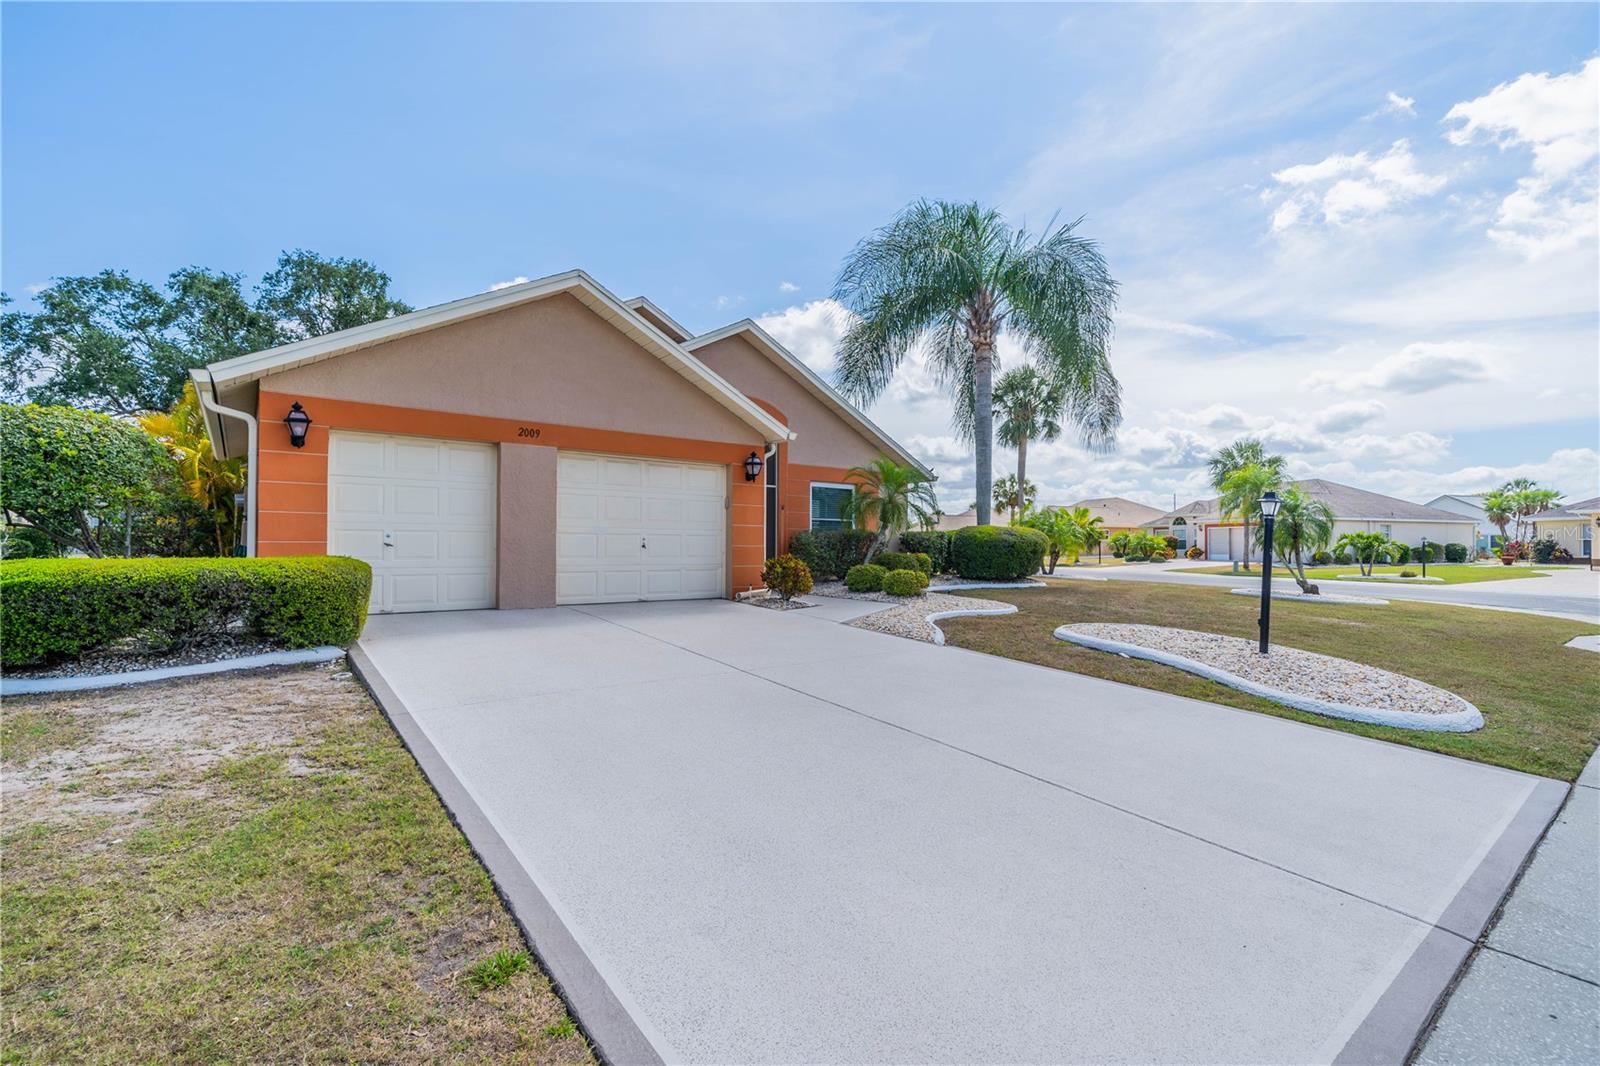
pixel 248 868
pixel 1540 701
pixel 1452 573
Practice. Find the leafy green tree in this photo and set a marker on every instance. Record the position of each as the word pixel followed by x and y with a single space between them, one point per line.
pixel 1066 536
pixel 1367 548
pixel 1304 526
pixel 309 296
pixel 1090 527
pixel 212 483
pixel 954 277
pixel 213 319
pixel 1029 406
pixel 891 497
pixel 65 469
pixel 1005 497
pixel 1500 507
pixel 1242 490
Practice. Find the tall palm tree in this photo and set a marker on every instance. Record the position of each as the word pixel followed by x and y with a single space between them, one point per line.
pixel 1500 507
pixel 1304 526
pixel 892 497
pixel 1029 406
pixel 213 483
pixel 955 277
pixel 1241 496
pixel 1238 455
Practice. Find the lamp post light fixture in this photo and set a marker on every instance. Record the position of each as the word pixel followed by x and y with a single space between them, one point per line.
pixel 1269 511
pixel 752 467
pixel 298 422
pixel 1425 554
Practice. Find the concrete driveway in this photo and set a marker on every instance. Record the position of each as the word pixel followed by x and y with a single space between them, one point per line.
pixel 738 835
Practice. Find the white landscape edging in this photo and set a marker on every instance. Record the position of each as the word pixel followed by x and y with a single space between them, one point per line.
pixel 937 616
pixel 1285 594
pixel 951 590
pixel 1466 720
pixel 1388 577
pixel 83 682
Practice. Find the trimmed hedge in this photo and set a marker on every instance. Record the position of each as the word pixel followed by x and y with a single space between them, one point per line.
pixel 830 553
pixel 865 577
pixel 905 582
pixel 934 543
pixel 63 608
pixel 997 553
pixel 906 561
pixel 1455 553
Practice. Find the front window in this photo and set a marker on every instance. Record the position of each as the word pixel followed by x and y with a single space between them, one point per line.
pixel 827 505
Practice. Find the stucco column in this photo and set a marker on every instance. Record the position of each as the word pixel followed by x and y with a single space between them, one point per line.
pixel 526 539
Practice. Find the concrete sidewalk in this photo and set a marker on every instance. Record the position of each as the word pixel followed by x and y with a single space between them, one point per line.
pixel 1532 994
pixel 737 834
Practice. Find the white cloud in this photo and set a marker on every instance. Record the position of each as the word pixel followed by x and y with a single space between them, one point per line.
pixel 1134 320
pixel 36 287
pixel 1412 449
pixel 1395 104
pixel 722 303
pixel 788 286
pixel 1348 188
pixel 811 331
pixel 1343 417
pixel 1418 367
pixel 518 280
pixel 1558 117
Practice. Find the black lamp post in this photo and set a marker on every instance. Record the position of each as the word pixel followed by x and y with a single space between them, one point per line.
pixel 1425 554
pixel 752 467
pixel 1269 511
pixel 298 422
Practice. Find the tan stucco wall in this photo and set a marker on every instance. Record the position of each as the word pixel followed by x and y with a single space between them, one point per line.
pixel 553 360
pixel 526 575
pixel 822 437
pixel 1411 533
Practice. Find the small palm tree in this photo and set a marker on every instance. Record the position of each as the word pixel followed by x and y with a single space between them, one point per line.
pixel 1304 526
pixel 1500 508
pixel 1368 548
pixel 1089 525
pixel 211 482
pixel 1241 496
pixel 892 497
pixel 954 277
pixel 1005 497
pixel 1066 537
pixel 1029 406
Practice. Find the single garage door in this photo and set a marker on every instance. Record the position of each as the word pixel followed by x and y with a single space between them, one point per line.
pixel 639 529
pixel 422 512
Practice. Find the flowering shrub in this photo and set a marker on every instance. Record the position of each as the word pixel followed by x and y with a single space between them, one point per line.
pixel 787 576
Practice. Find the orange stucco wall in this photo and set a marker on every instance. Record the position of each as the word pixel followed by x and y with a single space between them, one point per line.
pixel 293 486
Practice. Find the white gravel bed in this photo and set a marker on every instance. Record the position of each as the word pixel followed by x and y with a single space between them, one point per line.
pixel 914 616
pixel 773 602
pixel 1323 597
pixel 18 684
pixel 129 659
pixel 1304 680
pixel 943 584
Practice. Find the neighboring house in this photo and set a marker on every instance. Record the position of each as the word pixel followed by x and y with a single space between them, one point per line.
pixel 997 516
pixel 1470 505
pixel 1354 510
pixel 541 444
pixel 1573 525
pixel 1118 515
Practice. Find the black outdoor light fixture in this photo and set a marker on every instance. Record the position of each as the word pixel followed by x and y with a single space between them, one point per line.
pixel 752 467
pixel 1425 554
pixel 298 422
pixel 1269 511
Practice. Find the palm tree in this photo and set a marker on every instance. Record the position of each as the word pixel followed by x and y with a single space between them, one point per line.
pixel 1241 495
pixel 1005 497
pixel 1241 453
pixel 1090 525
pixel 1304 526
pixel 955 277
pixel 1500 508
pixel 1066 537
pixel 213 483
pixel 892 497
pixel 1366 547
pixel 1029 406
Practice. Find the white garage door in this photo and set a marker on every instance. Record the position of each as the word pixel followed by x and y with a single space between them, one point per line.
pixel 422 512
pixel 639 529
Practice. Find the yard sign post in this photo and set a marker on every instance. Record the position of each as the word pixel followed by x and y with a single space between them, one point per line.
pixel 1269 511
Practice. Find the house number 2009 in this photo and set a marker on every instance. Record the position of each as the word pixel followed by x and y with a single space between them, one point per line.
pixel 527 431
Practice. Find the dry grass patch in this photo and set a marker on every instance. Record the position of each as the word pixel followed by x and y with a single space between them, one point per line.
pixel 247 868
pixel 1540 701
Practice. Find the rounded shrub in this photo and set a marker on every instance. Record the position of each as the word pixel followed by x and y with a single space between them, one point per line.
pixel 65 608
pixel 1400 554
pixel 905 582
pixel 935 543
pixel 997 553
pixel 865 577
pixel 906 561
pixel 1455 553
pixel 786 575
pixel 1321 558
pixel 1194 552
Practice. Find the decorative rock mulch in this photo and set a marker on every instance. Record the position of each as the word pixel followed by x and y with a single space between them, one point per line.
pixel 1305 680
pixel 914 616
pixel 773 602
pixel 124 660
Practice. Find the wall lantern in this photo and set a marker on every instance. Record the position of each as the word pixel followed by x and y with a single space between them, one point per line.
pixel 298 422
pixel 752 467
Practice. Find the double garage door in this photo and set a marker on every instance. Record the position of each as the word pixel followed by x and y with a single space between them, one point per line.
pixel 423 513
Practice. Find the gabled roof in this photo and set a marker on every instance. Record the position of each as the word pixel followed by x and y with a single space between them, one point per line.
pixel 239 371
pixel 1117 511
pixel 658 318
pixel 790 364
pixel 1349 502
pixel 1581 509
pixel 1191 510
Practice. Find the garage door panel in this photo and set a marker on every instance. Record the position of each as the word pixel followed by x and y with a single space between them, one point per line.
pixel 632 529
pixel 422 512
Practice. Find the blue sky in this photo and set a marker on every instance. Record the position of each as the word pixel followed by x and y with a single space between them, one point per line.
pixel 1366 232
